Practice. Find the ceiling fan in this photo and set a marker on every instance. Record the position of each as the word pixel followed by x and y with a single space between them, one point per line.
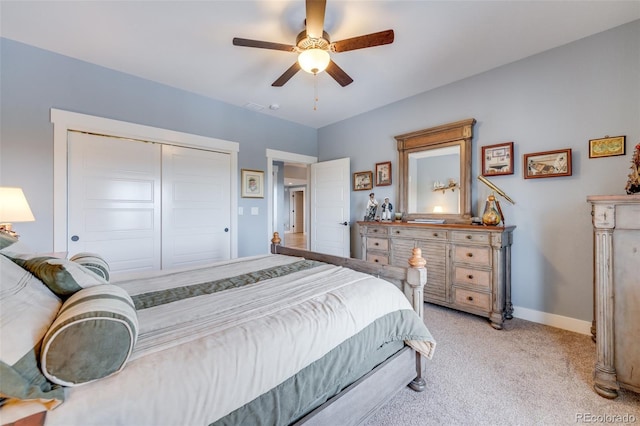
pixel 313 46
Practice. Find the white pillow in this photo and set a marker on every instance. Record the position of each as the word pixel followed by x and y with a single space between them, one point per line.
pixel 28 309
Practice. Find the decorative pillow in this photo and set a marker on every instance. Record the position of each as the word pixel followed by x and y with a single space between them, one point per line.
pixel 92 262
pixel 6 240
pixel 92 337
pixel 11 245
pixel 28 309
pixel 62 276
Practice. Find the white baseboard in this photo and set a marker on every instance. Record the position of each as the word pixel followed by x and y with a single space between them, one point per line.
pixel 553 320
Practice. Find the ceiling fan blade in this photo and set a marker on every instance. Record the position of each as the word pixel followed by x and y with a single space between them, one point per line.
pixel 338 74
pixel 293 69
pixel 360 42
pixel 315 17
pixel 263 44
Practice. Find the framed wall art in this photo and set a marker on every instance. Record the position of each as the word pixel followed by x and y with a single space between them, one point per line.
pixel 547 164
pixel 497 159
pixel 607 146
pixel 362 181
pixel 252 183
pixel 383 173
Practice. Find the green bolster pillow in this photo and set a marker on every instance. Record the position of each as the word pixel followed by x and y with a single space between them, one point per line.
pixel 93 262
pixel 92 337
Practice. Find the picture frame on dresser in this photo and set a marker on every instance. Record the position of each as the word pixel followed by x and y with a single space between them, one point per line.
pixel 383 173
pixel 362 181
pixel 547 164
pixel 497 159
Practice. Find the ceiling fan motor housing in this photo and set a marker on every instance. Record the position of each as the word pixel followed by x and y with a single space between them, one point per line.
pixel 303 42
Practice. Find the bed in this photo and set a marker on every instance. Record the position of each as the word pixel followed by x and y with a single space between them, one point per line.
pixel 290 337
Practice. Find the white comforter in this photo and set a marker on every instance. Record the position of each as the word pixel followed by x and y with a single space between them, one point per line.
pixel 199 359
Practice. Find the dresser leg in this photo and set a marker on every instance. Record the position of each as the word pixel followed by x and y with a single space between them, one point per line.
pixel 605 381
pixel 496 320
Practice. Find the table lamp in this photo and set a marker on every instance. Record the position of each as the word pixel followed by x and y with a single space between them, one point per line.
pixel 13 208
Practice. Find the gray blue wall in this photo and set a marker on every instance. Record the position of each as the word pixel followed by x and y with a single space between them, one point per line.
pixel 554 100
pixel 33 81
pixel 557 99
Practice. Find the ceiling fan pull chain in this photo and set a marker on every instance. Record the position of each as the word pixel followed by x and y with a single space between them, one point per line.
pixel 315 92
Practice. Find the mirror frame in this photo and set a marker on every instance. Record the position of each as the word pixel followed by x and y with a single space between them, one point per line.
pixel 456 133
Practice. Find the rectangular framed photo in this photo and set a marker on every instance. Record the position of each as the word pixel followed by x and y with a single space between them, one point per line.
pixel 607 146
pixel 252 183
pixel 547 164
pixel 383 173
pixel 362 181
pixel 497 159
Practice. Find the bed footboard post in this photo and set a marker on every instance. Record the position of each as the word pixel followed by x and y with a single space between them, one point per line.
pixel 275 241
pixel 416 280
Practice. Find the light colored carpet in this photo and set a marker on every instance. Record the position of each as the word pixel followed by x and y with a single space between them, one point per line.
pixel 525 374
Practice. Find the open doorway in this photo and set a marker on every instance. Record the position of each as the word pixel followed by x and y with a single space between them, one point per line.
pixel 295 189
pixel 278 195
pixel 327 201
pixel 296 235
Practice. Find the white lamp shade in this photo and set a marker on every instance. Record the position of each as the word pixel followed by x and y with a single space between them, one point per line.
pixel 314 61
pixel 14 206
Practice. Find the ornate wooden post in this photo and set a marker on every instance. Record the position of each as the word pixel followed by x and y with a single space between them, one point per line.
pixel 604 222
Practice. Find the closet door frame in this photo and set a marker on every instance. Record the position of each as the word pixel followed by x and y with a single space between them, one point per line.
pixel 63 121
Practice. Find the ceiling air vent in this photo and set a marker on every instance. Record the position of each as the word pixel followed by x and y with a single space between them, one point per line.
pixel 253 106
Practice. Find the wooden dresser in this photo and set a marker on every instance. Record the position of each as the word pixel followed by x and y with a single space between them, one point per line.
pixel 468 267
pixel 616 257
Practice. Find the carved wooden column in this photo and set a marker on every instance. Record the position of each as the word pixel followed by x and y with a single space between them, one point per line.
pixel 417 278
pixel 605 380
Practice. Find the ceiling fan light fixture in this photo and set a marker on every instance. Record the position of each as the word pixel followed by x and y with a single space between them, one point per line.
pixel 314 61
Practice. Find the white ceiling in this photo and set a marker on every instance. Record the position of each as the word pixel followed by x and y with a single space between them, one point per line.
pixel 187 44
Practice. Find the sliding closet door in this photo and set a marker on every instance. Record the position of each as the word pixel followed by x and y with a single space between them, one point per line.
pixel 196 195
pixel 114 200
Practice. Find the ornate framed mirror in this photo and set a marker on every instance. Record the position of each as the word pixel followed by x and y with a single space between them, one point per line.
pixel 435 172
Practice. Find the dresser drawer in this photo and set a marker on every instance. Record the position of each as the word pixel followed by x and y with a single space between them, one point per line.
pixel 377 244
pixel 377 230
pixel 465 237
pixel 472 255
pixel 473 277
pixel 473 299
pixel 418 234
pixel 378 258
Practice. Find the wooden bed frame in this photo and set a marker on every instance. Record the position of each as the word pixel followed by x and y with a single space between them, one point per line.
pixel 358 401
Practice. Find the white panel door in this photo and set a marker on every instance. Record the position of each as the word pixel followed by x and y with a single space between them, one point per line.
pixel 114 200
pixel 330 207
pixel 196 217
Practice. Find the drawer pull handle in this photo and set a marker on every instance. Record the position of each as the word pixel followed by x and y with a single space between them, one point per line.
pixel 375 230
pixel 435 234
pixel 397 232
pixel 376 260
pixel 470 276
pixel 376 244
pixel 469 237
pixel 469 254
pixel 470 298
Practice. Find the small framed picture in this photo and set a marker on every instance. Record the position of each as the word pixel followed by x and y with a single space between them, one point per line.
pixel 607 146
pixel 362 181
pixel 383 173
pixel 497 159
pixel 547 164
pixel 252 183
